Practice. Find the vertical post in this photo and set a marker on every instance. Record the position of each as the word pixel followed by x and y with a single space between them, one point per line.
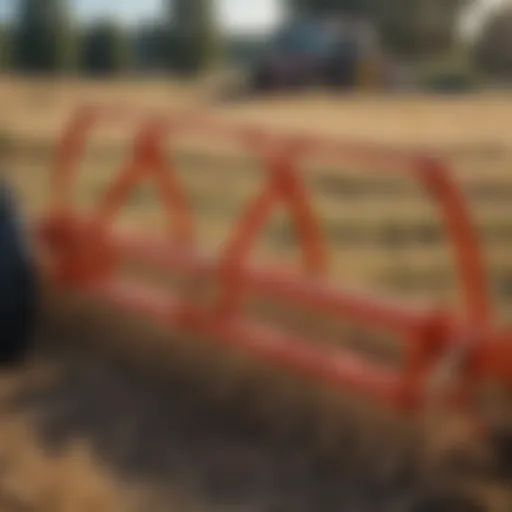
pixel 148 160
pixel 283 185
pixel 69 151
pixel 467 249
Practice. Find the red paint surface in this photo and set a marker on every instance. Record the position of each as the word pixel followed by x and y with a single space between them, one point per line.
pixel 86 255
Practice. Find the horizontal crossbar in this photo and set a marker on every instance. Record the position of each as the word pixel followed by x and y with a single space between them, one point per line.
pixel 334 367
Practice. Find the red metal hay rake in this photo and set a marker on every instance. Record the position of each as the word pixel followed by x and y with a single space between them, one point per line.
pixel 86 252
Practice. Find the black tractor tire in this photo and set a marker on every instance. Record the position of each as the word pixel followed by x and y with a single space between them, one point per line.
pixel 18 284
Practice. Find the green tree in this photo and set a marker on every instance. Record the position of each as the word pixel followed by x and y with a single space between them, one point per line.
pixel 148 47
pixel 420 28
pixel 192 41
pixel 408 27
pixel 105 49
pixel 492 51
pixel 5 47
pixel 43 37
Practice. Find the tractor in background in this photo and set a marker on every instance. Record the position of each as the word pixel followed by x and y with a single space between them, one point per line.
pixel 339 53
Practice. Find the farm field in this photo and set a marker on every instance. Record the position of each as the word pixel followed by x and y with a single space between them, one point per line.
pixel 383 234
pixel 382 230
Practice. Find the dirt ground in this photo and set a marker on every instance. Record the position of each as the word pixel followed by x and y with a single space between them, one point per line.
pixel 82 430
pixel 468 123
pixel 85 429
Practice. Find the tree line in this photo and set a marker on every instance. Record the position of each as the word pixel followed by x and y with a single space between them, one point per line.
pixel 426 28
pixel 44 39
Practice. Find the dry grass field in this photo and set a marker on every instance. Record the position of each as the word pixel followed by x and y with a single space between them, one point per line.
pixel 382 230
pixel 383 234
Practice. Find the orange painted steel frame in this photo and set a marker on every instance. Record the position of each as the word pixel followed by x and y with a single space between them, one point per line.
pixel 86 253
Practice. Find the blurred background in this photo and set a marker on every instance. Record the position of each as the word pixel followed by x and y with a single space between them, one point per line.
pixel 436 44
pixel 80 432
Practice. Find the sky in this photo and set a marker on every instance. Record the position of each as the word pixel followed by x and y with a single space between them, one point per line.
pixel 239 15
pixel 253 15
